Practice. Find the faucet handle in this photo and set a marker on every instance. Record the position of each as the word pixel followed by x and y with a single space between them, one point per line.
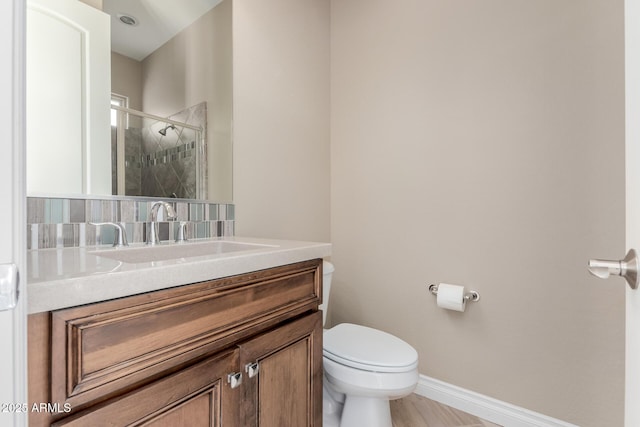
pixel 120 239
pixel 181 232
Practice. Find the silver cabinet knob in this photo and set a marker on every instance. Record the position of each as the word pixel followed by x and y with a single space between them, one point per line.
pixel 627 268
pixel 252 369
pixel 234 379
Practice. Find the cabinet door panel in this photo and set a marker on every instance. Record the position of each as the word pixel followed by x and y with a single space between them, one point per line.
pixel 196 396
pixel 199 411
pixel 287 391
pixel 284 386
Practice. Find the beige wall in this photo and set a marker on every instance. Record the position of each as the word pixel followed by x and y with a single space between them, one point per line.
pixel 126 79
pixel 192 67
pixel 473 142
pixel 281 118
pixel 481 143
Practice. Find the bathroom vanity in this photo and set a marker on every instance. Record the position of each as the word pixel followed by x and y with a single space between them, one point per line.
pixel 237 349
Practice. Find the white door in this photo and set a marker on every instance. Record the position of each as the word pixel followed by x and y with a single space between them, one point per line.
pixel 69 150
pixel 13 369
pixel 632 156
pixel 632 181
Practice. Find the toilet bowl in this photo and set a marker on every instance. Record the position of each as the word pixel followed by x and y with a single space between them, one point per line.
pixel 364 368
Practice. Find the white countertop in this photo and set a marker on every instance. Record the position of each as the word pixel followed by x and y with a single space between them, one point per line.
pixel 60 278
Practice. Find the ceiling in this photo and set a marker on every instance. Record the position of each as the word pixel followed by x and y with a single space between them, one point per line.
pixel 157 22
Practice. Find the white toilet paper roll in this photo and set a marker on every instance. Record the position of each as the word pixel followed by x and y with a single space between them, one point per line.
pixel 451 297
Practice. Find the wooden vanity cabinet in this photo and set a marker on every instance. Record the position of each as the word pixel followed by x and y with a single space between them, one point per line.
pixel 241 351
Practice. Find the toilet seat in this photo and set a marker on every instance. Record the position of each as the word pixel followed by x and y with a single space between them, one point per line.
pixel 368 349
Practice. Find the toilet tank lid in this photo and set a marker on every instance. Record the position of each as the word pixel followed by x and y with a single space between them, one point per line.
pixel 366 346
pixel 327 267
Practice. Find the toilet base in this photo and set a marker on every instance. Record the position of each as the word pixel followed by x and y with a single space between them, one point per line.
pixel 366 411
pixel 341 410
pixel 332 404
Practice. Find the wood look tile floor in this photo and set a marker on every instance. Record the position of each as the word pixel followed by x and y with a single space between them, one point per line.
pixel 418 411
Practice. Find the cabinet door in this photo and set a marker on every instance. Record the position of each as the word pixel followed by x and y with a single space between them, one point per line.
pixel 195 396
pixel 283 375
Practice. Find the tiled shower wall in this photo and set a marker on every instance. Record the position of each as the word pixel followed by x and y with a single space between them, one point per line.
pixel 162 161
pixel 66 222
pixel 169 166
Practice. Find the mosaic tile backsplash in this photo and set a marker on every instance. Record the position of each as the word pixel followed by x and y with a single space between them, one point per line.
pixel 65 222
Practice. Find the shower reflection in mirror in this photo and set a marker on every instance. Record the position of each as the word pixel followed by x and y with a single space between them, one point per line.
pixel 156 156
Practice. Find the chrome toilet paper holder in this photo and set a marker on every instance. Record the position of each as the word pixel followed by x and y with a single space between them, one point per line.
pixel 471 296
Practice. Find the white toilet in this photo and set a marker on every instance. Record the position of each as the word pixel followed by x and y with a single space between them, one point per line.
pixel 363 369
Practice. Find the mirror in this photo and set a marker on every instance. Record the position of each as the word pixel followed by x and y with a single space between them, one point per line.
pixel 168 74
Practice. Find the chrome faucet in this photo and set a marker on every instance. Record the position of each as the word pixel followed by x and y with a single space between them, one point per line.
pixel 152 225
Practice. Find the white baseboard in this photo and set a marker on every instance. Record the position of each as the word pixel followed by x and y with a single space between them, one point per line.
pixel 487 408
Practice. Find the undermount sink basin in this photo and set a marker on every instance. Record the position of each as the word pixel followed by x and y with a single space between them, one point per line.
pixel 164 252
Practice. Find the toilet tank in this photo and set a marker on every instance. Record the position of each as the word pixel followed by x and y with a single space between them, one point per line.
pixel 327 273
